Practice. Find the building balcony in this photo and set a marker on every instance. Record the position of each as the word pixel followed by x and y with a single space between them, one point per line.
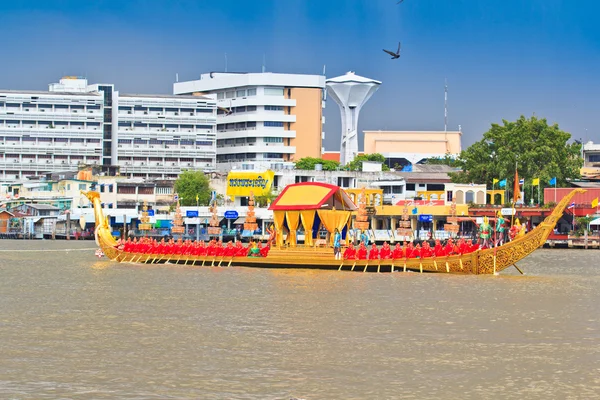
pixel 258 101
pixel 277 116
pixel 258 133
pixel 259 148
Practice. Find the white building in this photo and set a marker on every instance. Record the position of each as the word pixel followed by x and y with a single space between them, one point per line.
pixel 146 136
pixel 264 120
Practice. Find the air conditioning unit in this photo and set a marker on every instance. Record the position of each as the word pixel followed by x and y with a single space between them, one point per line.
pixel 62 162
pixel 48 161
pixel 30 161
pixel 174 164
pixel 189 163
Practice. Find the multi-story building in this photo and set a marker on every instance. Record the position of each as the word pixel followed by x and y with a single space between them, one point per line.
pixel 74 124
pixel 264 120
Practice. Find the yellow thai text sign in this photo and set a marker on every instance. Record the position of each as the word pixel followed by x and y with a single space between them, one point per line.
pixel 241 183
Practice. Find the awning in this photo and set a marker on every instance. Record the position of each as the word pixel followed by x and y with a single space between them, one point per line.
pixel 595 222
pixel 240 220
pixel 312 196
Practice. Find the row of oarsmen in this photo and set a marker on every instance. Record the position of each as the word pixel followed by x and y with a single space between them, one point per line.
pixel 409 250
pixel 193 248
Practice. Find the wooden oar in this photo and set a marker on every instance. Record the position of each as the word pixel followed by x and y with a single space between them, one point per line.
pixel 341 265
pixel 405 265
pixel 392 270
pixel 353 265
pixel 460 261
pixel 420 266
pixel 447 266
pixel 366 265
pixel 229 265
pixel 435 264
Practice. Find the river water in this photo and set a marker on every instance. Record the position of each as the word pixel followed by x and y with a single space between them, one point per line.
pixel 75 327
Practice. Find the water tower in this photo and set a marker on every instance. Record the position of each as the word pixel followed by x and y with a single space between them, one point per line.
pixel 351 92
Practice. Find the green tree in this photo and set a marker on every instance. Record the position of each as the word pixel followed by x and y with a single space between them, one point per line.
pixel 356 164
pixel 264 199
pixel 446 160
pixel 192 183
pixel 540 151
pixel 308 163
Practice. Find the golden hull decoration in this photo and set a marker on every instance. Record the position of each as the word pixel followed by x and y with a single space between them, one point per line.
pixel 486 261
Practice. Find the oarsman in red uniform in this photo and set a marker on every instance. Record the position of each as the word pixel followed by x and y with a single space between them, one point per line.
pixel 386 251
pixel 374 252
pixel 240 251
pixel 161 247
pixel 410 251
pixel 438 250
pixel 220 250
pixel 398 253
pixel 426 250
pixel 474 246
pixel 264 251
pixel 229 250
pixel 462 246
pixel 127 245
pixel 417 251
pixel 211 249
pixel 361 254
pixel 350 252
pixel 449 248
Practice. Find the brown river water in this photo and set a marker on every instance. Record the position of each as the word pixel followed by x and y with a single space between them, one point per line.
pixel 75 327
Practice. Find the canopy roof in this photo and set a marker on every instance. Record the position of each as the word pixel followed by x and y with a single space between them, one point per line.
pixel 312 196
pixel 595 222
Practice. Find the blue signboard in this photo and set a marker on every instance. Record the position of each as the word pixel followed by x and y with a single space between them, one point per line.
pixel 191 214
pixel 151 213
pixel 425 218
pixel 231 214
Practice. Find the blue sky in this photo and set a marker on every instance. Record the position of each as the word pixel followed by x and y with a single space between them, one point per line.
pixel 502 58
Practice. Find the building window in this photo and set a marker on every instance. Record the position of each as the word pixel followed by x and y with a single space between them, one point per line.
pixel 82 186
pixel 251 108
pixel 594 158
pixel 273 140
pixel 276 124
pixel 229 95
pixel 252 92
pixel 410 187
pixel 220 95
pixel 273 108
pixel 240 93
pixel 273 91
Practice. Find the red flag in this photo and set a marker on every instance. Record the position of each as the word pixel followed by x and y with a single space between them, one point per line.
pixel 517 187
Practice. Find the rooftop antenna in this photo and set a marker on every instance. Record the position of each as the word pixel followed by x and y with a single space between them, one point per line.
pixel 225 62
pixel 264 67
pixel 176 77
pixel 324 67
pixel 445 105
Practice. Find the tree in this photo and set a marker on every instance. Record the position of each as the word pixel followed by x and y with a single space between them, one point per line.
pixel 192 183
pixel 446 160
pixel 308 163
pixel 356 164
pixel 540 151
pixel 265 199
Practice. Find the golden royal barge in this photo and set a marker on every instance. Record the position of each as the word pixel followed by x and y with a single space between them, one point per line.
pixel 311 203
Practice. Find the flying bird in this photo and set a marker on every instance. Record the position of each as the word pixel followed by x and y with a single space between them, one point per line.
pixel 394 55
